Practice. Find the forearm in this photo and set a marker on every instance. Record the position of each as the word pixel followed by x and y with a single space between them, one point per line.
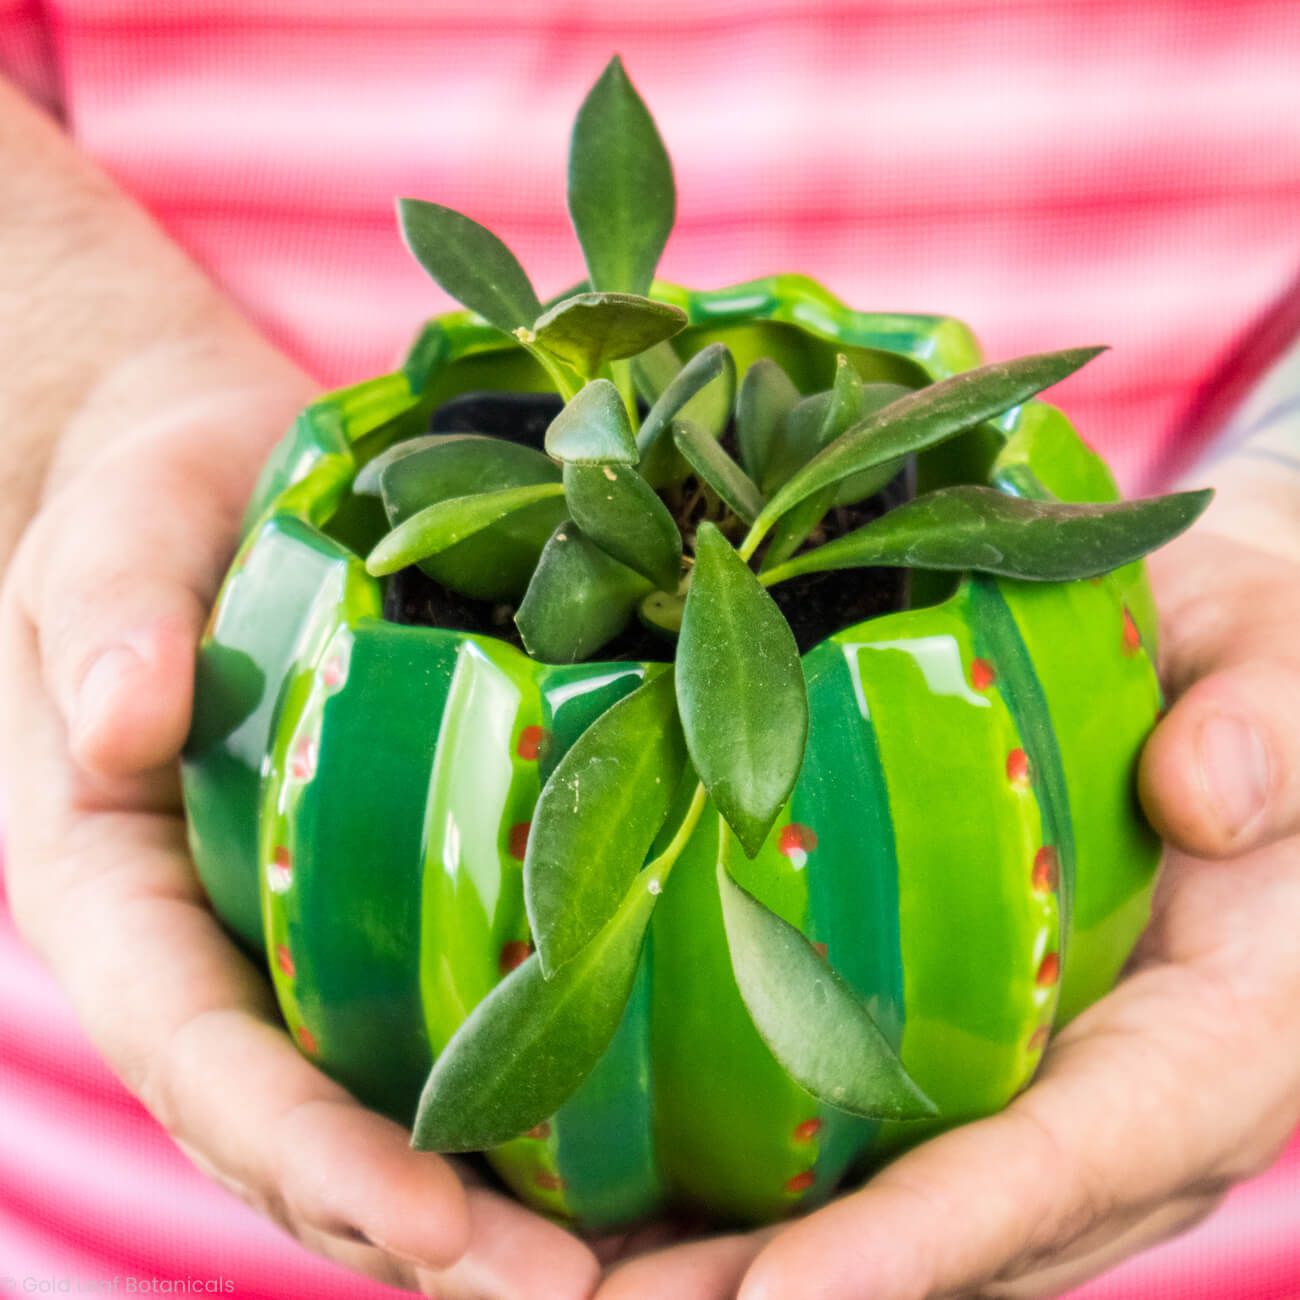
pixel 106 326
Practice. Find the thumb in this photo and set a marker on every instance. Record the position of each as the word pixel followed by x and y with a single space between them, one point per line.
pixel 116 576
pixel 1220 775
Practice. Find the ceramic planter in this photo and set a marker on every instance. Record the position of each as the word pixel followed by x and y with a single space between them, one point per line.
pixel 964 838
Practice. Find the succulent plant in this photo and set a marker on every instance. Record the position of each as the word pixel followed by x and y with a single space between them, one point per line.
pixel 679 494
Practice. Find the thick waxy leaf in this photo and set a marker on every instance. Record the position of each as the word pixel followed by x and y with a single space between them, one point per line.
pixel 496 562
pixel 818 1027
pixel 578 599
pixel 654 370
pixel 983 529
pixel 529 1044
pixel 366 483
pixel 593 328
pixel 621 195
pixel 766 398
pixel 593 429
pixel 705 455
pixel 838 408
pixel 740 690
pixel 445 523
pixel 622 514
pixel 597 818
pixel 470 263
pixel 925 418
pixel 858 487
pixel 709 364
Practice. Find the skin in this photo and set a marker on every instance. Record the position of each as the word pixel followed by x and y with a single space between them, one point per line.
pixel 136 406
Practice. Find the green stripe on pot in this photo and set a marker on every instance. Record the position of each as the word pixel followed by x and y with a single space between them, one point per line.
pixel 843 836
pixel 341 848
pixel 1103 696
pixel 997 639
pixel 972 933
pixel 281 599
pixel 604 1148
pixel 474 931
pixel 725 1113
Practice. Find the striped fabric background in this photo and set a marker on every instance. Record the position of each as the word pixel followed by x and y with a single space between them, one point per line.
pixel 1054 173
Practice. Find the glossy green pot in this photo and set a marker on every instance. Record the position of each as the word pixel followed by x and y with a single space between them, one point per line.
pixel 964 838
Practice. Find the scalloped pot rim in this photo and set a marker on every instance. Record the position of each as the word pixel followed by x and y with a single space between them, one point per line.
pixel 971 714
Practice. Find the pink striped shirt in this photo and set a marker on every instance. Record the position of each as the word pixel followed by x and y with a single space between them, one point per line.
pixel 1054 172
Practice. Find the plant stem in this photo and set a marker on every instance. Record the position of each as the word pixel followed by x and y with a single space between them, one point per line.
pixel 752 538
pixel 622 372
pixel 658 870
pixel 549 364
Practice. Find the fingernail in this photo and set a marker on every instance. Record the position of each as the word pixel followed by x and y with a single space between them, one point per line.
pixel 1236 771
pixel 99 687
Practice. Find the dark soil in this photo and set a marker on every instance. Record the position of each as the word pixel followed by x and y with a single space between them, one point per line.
pixel 816 605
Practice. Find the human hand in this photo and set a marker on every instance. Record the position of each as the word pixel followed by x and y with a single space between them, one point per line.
pixel 1180 1083
pixel 101 611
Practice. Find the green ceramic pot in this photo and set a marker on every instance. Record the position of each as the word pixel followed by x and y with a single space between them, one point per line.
pixel 963 840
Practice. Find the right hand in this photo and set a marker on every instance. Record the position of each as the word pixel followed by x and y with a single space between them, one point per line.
pixel 101 613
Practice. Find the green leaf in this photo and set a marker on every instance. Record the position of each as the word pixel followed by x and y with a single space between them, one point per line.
pixel 593 328
pixel 705 455
pixel 622 514
pixel 495 563
pixel 597 818
pixel 621 196
pixel 470 263
pixel 709 365
pixel 593 429
pixel 982 529
pixel 858 487
pixel 527 1047
pixel 740 690
pixel 924 418
pixel 654 370
pixel 366 483
pixel 579 598
pixel 840 407
pixel 443 524
pixel 766 398
pixel 816 1025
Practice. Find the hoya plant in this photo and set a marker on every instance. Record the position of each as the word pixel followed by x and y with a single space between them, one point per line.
pixel 679 497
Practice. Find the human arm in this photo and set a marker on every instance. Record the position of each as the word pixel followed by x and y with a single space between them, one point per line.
pixel 136 405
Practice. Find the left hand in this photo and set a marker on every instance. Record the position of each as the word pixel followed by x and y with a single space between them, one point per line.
pixel 1151 1104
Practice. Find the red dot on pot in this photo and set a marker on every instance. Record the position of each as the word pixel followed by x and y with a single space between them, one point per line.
pixel 513 954
pixel 548 1181
pixel 822 951
pixel 808 1130
pixel 541 1132
pixel 797 836
pixel 1048 970
pixel 307 1040
pixel 982 675
pixel 532 743
pixel 1038 1039
pixel 332 674
pixel 517 840
pixel 1132 637
pixel 800 1182
pixel 284 960
pixel 1018 768
pixel 302 766
pixel 279 871
pixel 1046 869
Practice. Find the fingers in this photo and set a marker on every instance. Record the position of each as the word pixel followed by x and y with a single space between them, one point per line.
pixel 1221 773
pixel 1110 1135
pixel 118 572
